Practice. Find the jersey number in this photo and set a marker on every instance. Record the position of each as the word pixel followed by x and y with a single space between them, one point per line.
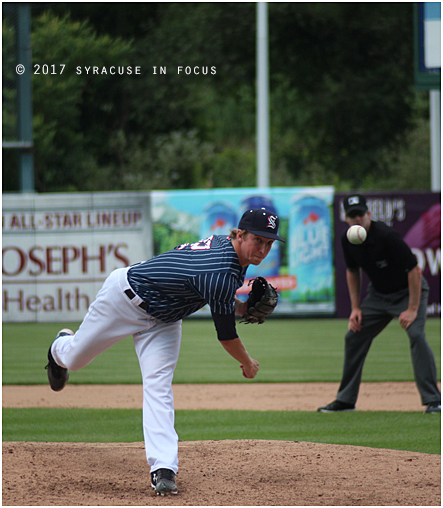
pixel 202 244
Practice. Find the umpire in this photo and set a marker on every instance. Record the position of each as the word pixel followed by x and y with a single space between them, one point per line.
pixel 397 289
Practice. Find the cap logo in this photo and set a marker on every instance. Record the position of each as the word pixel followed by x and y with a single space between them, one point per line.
pixel 354 200
pixel 271 221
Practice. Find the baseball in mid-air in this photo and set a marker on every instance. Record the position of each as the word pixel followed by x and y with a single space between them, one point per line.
pixel 356 234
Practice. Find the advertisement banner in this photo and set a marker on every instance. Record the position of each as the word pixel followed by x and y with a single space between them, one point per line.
pixel 417 217
pixel 59 248
pixel 301 269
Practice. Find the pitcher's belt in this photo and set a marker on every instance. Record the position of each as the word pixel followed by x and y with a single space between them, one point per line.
pixel 130 294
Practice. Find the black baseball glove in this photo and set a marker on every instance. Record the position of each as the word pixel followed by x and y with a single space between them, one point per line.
pixel 262 300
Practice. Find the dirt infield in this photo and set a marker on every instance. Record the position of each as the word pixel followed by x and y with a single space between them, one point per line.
pixel 250 396
pixel 220 473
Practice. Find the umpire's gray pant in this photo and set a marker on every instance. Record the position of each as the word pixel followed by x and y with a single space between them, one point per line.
pixel 378 310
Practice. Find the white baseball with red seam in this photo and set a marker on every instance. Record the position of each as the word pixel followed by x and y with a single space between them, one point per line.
pixel 356 234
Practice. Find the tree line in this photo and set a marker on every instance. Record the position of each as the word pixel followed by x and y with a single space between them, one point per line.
pixel 344 110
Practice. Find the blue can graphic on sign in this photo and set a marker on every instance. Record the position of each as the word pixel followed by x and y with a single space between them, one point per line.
pixel 311 258
pixel 218 219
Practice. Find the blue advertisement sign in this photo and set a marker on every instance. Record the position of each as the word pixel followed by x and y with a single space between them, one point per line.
pixel 301 269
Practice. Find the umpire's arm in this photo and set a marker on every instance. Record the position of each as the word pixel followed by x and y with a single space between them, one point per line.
pixel 408 316
pixel 353 279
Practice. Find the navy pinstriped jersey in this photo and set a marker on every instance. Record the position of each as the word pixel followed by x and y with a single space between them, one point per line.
pixel 181 281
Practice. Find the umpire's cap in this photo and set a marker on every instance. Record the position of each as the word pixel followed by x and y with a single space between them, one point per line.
pixel 261 222
pixel 355 203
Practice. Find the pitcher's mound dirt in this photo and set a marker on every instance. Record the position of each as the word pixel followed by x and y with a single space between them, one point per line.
pixel 220 473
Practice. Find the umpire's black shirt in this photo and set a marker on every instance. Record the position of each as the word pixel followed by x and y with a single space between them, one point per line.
pixel 383 256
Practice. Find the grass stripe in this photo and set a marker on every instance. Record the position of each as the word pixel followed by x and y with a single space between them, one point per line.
pixel 393 430
pixel 289 350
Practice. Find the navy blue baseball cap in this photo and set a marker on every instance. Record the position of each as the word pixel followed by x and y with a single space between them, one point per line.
pixel 261 222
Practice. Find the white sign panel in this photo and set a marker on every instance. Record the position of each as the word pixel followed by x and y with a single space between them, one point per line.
pixel 59 248
pixel 432 34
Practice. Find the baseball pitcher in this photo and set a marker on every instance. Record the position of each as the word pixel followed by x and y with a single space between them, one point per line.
pixel 149 300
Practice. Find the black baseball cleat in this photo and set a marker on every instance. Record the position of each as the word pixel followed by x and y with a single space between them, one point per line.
pixel 57 376
pixel 434 407
pixel 163 481
pixel 337 406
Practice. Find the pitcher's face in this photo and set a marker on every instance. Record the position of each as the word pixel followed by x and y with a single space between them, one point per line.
pixel 253 249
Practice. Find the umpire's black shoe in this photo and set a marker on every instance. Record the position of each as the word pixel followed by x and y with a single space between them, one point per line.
pixel 337 406
pixel 163 481
pixel 58 376
pixel 434 407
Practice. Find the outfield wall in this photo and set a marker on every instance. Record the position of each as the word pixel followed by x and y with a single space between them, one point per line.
pixel 59 248
pixel 417 217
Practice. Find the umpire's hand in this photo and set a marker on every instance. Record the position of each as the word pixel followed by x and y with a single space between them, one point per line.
pixel 355 320
pixel 407 317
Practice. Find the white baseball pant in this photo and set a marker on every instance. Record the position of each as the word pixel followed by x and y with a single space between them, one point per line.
pixel 111 318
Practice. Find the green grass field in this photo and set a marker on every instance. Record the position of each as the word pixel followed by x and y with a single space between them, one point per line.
pixel 394 430
pixel 289 350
